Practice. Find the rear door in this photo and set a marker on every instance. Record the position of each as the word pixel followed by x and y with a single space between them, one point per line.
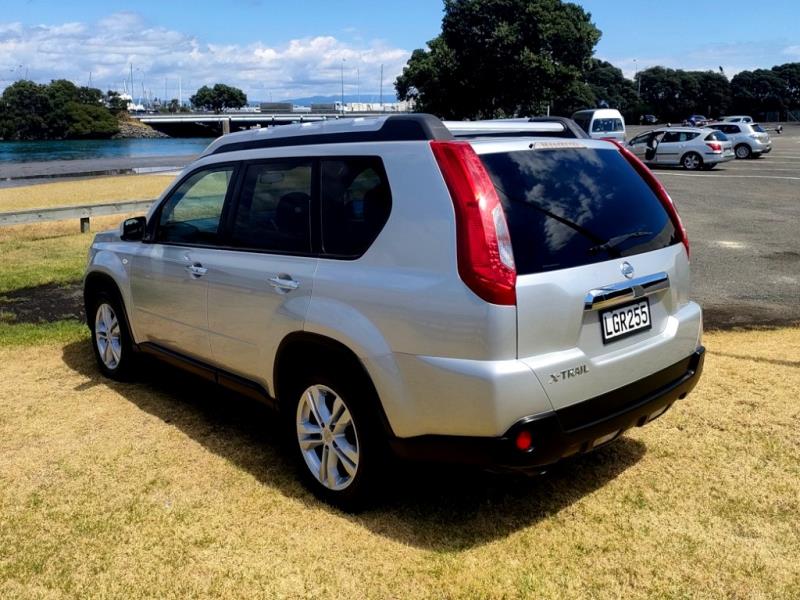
pixel 259 289
pixel 585 227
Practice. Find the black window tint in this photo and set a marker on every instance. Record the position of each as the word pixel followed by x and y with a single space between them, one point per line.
pixel 716 136
pixel 191 214
pixel 734 129
pixel 572 207
pixel 641 139
pixel 671 136
pixel 273 213
pixel 583 121
pixel 689 135
pixel 758 128
pixel 606 125
pixel 356 201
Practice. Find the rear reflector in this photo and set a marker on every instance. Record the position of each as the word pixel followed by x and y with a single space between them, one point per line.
pixel 483 244
pixel 524 440
pixel 658 190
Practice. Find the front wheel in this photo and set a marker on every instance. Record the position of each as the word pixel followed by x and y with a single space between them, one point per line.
pixel 692 161
pixel 111 338
pixel 336 438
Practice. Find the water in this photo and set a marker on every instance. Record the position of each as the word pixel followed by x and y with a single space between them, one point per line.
pixel 17 152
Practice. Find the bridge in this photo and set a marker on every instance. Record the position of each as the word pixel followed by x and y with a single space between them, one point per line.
pixel 205 124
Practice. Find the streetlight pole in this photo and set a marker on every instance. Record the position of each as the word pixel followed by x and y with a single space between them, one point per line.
pixel 343 86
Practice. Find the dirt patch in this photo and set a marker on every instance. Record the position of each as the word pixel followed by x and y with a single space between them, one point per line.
pixel 43 304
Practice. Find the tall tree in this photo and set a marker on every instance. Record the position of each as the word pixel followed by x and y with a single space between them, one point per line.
pixel 499 58
pixel 218 98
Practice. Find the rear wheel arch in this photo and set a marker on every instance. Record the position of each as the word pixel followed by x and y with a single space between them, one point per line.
pixel 300 349
pixel 747 151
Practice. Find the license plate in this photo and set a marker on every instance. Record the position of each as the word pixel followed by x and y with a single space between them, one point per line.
pixel 620 322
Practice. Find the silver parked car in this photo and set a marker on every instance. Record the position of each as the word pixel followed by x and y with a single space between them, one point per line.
pixel 505 295
pixel 689 147
pixel 749 140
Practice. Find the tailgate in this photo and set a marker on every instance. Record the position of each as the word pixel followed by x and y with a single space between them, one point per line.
pixel 560 333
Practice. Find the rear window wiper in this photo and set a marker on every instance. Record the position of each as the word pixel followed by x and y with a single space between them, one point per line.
pixel 615 241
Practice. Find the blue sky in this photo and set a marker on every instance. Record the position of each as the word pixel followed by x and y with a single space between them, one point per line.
pixel 277 52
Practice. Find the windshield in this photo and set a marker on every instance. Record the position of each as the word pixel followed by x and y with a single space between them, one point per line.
pixel 572 207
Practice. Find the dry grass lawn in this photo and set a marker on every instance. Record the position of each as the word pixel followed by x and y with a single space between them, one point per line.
pixel 168 489
pixel 85 191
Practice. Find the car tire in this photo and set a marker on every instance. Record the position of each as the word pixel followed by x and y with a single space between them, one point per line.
pixel 743 151
pixel 111 338
pixel 692 161
pixel 335 436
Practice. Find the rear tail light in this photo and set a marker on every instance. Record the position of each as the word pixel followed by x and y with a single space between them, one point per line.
pixel 659 191
pixel 485 257
pixel 715 146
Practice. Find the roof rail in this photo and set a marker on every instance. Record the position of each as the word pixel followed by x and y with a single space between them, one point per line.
pixel 559 127
pixel 389 128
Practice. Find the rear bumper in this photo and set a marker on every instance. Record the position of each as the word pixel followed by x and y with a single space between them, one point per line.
pixel 572 430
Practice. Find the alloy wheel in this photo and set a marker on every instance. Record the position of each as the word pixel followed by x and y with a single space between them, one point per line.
pixel 326 434
pixel 107 336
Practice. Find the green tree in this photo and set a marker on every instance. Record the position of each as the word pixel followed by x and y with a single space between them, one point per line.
pixel 115 103
pixel 790 74
pixel 602 82
pixel 218 98
pixel 30 111
pixel 758 91
pixel 499 58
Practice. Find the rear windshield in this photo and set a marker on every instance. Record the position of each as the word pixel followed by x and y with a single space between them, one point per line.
pixel 717 136
pixel 758 128
pixel 572 207
pixel 607 125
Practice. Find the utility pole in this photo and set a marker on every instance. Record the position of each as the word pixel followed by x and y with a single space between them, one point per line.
pixel 342 86
pixel 180 92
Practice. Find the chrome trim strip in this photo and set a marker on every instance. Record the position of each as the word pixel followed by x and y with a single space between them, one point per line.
pixel 624 291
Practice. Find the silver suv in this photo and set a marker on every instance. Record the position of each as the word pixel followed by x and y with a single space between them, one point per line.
pixel 505 295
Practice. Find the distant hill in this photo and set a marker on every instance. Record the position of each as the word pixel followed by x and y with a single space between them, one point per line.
pixel 364 97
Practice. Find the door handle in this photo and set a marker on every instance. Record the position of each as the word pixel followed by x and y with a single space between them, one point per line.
pixel 197 270
pixel 283 283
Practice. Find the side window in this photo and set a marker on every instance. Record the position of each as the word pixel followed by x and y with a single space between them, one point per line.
pixel 273 212
pixel 731 129
pixel 688 136
pixel 670 136
pixel 356 202
pixel 191 215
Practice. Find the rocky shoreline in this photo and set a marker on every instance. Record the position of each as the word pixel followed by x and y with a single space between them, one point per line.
pixel 132 129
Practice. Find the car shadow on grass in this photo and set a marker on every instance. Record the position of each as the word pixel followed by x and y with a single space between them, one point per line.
pixel 434 507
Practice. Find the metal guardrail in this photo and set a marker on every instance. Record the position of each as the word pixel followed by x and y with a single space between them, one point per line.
pixel 63 213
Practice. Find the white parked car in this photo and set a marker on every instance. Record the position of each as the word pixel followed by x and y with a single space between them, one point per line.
pixel 387 286
pixel 737 119
pixel 689 147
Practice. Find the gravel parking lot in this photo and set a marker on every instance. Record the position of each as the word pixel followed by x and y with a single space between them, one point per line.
pixel 743 220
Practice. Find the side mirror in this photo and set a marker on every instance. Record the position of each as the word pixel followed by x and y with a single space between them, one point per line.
pixel 132 230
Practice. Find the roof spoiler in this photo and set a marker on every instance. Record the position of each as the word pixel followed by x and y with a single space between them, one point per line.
pixel 559 127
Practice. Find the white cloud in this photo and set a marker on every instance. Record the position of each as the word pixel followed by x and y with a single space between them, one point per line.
pixel 106 48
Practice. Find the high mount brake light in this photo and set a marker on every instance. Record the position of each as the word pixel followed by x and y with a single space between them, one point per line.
pixel 658 190
pixel 483 244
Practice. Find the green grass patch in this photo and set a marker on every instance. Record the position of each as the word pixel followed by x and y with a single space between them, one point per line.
pixel 34 261
pixel 29 334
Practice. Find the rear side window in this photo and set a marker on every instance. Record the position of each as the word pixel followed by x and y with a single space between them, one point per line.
pixel 716 136
pixel 571 207
pixel 356 201
pixel 758 128
pixel 274 208
pixel 607 125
